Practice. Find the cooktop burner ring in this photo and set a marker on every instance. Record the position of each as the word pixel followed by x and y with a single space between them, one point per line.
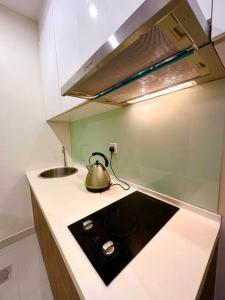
pixel 120 224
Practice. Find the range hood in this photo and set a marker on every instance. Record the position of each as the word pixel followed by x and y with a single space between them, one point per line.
pixel 162 45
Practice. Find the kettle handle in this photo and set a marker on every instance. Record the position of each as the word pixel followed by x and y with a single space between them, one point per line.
pixel 102 155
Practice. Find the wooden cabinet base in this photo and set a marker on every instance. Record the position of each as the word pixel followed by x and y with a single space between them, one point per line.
pixel 208 289
pixel 61 283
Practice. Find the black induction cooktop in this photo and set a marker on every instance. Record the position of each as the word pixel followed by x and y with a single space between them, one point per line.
pixel 111 237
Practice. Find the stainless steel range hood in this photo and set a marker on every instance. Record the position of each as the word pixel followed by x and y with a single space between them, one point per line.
pixel 163 44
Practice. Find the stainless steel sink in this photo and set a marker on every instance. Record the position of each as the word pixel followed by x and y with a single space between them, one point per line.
pixel 58 172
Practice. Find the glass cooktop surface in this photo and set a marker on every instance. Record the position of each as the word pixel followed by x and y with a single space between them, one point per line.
pixel 112 236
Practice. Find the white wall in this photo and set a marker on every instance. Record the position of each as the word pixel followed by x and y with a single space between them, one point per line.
pixel 26 140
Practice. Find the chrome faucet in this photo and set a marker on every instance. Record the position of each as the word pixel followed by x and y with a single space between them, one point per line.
pixel 64 156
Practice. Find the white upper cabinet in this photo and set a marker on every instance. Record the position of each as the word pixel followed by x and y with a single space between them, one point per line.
pixel 65 31
pixel 206 8
pixel 66 38
pixel 70 33
pixel 218 28
pixel 55 104
pixel 218 19
pixel 49 64
pixel 81 27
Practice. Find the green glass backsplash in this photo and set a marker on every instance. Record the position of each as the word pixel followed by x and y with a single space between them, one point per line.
pixel 172 144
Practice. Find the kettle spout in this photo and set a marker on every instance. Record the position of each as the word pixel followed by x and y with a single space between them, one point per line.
pixel 88 167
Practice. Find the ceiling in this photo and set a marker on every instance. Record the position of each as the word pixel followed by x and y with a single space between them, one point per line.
pixel 28 8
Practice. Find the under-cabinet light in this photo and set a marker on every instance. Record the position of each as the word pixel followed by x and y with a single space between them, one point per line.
pixel 93 12
pixel 113 41
pixel 164 92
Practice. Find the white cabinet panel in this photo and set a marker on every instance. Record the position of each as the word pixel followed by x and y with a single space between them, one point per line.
pixel 68 103
pixel 206 7
pixel 220 49
pixel 81 27
pixel 55 104
pixel 49 65
pixel 66 37
pixel 218 21
pixel 98 19
pixel 218 28
pixel 65 29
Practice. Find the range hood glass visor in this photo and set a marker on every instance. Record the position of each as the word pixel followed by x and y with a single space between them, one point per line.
pixel 152 47
pixel 173 73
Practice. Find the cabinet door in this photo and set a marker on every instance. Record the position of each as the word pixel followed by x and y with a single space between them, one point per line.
pixel 218 23
pixel 206 8
pixel 49 64
pixel 98 19
pixel 65 29
pixel 81 27
pixel 66 33
pixel 218 28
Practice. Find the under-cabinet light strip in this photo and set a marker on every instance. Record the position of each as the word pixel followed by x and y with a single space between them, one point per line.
pixel 163 92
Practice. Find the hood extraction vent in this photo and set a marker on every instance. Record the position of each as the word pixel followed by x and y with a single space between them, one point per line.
pixel 160 46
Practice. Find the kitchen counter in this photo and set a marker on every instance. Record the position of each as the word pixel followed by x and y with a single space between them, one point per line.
pixel 171 266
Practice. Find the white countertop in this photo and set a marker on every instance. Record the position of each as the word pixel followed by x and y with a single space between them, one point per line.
pixel 171 266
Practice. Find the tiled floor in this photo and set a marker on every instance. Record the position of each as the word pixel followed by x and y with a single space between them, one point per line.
pixel 29 279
